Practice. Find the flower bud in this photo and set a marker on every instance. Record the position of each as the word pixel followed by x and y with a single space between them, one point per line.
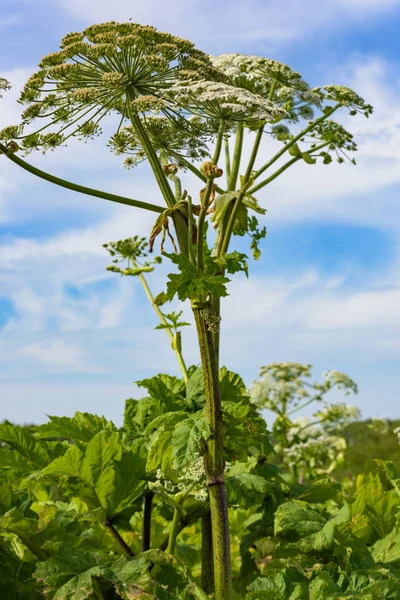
pixel 12 147
pixel 210 170
pixel 205 168
pixel 216 171
pixel 170 169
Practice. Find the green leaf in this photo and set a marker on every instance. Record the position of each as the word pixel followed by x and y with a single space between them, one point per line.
pixel 234 262
pixel 245 431
pixel 392 473
pixel 287 584
pixel 297 517
pixel 195 392
pixel 72 575
pixel 82 427
pixel 387 550
pixel 252 203
pixel 246 489
pixel 325 537
pixel 115 476
pixel 379 506
pixel 16 581
pixel 36 453
pixel 295 151
pixel 193 284
pixel 232 386
pixel 157 449
pixel 188 440
pixel 166 391
pixel 321 491
pixel 167 421
pixel 323 587
pixel 221 205
pixel 308 159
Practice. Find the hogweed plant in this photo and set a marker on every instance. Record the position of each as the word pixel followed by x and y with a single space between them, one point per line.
pixel 308 446
pixel 185 113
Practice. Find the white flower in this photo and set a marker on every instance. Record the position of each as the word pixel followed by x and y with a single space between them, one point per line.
pixel 222 101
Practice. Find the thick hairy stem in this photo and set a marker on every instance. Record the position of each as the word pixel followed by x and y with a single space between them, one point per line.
pixel 221 539
pixel 118 538
pixel 76 187
pixel 146 525
pixel 214 463
pixel 207 566
pixel 173 534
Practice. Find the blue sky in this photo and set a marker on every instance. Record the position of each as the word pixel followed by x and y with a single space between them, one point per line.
pixel 327 289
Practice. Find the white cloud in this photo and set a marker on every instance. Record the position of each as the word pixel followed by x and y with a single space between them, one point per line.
pixel 56 353
pixel 254 21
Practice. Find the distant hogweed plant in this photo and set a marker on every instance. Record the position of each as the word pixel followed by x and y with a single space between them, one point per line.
pixel 173 106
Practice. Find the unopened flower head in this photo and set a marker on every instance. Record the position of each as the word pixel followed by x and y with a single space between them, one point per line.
pixel 4 86
pixel 123 68
pixel 345 96
pixel 174 140
pixel 338 141
pixel 341 381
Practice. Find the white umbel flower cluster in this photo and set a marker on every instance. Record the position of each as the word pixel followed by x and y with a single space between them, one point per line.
pixel 314 452
pixel 221 101
pixel 262 71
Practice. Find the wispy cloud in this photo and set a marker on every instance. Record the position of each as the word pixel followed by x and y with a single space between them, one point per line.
pixel 255 21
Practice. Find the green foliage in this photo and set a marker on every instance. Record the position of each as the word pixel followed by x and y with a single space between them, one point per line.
pixel 191 283
pixel 72 507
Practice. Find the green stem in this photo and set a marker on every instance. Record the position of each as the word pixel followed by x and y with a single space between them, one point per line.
pixel 265 182
pixel 214 463
pixel 163 320
pixel 205 198
pixel 283 168
pixel 253 155
pixel 227 160
pixel 296 139
pixel 78 188
pixel 174 531
pixel 238 201
pixel 190 229
pixel 237 155
pixel 146 525
pixel 310 401
pixel 207 567
pixel 177 217
pixel 152 158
